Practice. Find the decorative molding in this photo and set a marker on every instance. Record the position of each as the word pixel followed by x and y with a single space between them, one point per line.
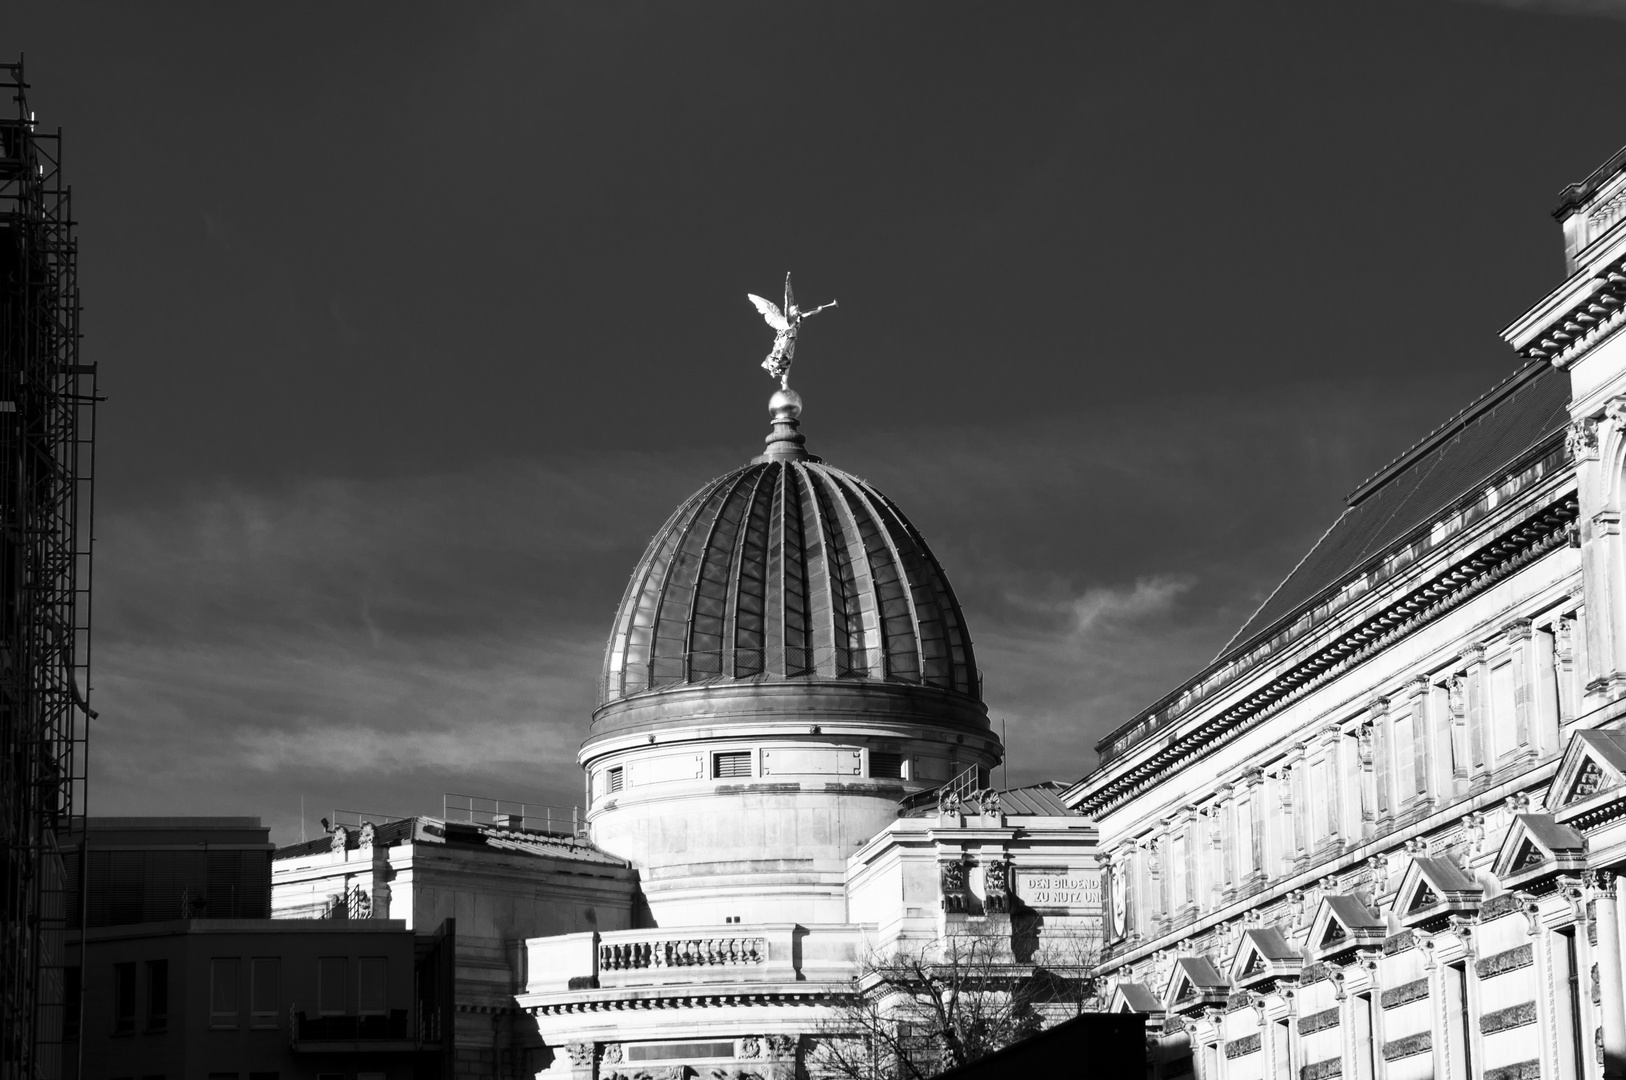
pixel 1581 440
pixel 1322 1070
pixel 1503 962
pixel 1247 1044
pixel 1395 1049
pixel 1538 533
pixel 1524 1070
pixel 1514 1016
pixel 1404 994
pixel 1319 1022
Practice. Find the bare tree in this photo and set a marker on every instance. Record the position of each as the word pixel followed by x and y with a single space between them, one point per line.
pixel 916 1012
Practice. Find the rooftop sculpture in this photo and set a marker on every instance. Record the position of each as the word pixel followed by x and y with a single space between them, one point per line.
pixel 786 324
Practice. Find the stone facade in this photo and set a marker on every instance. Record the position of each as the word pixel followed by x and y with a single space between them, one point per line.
pixel 1377 837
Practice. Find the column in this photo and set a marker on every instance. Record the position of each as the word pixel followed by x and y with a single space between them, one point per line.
pixel 1157 877
pixel 1476 700
pixel 1228 858
pixel 1611 990
pixel 1564 665
pixel 1599 525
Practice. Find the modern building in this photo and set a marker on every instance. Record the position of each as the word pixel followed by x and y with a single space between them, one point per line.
pixel 183 975
pixel 1378 835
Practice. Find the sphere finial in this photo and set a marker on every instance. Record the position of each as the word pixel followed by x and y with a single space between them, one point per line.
pixel 785 443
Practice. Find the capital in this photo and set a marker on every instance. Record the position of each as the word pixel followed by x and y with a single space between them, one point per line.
pixel 1581 440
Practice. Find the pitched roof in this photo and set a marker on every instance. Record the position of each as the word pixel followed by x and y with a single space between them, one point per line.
pixel 1351 912
pixel 1036 800
pixel 465 835
pixel 1477 445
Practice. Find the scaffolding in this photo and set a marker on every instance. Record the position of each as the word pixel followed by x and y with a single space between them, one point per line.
pixel 47 432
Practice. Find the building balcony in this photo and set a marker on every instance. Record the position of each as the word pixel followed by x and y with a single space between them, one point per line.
pixel 763 953
pixel 377 1034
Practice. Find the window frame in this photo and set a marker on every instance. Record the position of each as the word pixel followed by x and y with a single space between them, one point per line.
pixel 733 757
pixel 158 995
pixel 381 966
pixel 325 964
pixel 258 1017
pixel 889 756
pixel 124 998
pixel 224 972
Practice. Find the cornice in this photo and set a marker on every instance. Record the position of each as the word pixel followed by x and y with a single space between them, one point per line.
pixel 600 1001
pixel 1537 475
pixel 1578 315
pixel 1543 530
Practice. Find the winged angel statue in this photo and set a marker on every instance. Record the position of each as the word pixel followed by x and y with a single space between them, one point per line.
pixel 786 324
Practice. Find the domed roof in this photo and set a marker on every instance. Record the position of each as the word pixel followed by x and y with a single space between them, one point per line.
pixel 788 568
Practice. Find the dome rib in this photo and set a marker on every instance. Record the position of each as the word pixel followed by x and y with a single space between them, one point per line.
pixel 788 569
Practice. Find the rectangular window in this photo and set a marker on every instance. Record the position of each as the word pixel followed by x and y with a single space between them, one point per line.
pixel 124 998
pixel 330 985
pixel 732 763
pixel 885 766
pixel 223 992
pixel 265 974
pixel 1366 1056
pixel 72 985
pixel 157 995
pixel 1458 1024
pixel 371 972
pixel 1567 975
pixel 1281 1048
pixel 614 779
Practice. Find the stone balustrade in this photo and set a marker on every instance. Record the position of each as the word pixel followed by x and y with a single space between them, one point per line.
pixel 761 953
pixel 685 952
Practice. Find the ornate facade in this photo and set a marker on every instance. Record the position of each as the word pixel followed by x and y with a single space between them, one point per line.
pixel 1377 836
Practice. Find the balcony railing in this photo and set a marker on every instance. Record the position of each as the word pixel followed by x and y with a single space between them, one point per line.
pixel 761 953
pixel 355 1034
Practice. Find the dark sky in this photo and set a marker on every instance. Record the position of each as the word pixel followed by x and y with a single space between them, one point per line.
pixel 415 323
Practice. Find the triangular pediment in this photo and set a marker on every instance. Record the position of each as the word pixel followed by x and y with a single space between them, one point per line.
pixel 1537 847
pixel 1262 954
pixel 1434 888
pixel 1422 897
pixel 1343 923
pixel 1194 983
pixel 1132 997
pixel 1594 762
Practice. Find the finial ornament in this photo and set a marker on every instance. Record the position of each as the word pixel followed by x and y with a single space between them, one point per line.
pixel 786 324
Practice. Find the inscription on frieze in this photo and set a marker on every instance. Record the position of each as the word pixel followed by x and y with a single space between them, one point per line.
pixel 1041 889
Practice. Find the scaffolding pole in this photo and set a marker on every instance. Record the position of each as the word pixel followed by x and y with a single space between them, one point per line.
pixel 47 436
